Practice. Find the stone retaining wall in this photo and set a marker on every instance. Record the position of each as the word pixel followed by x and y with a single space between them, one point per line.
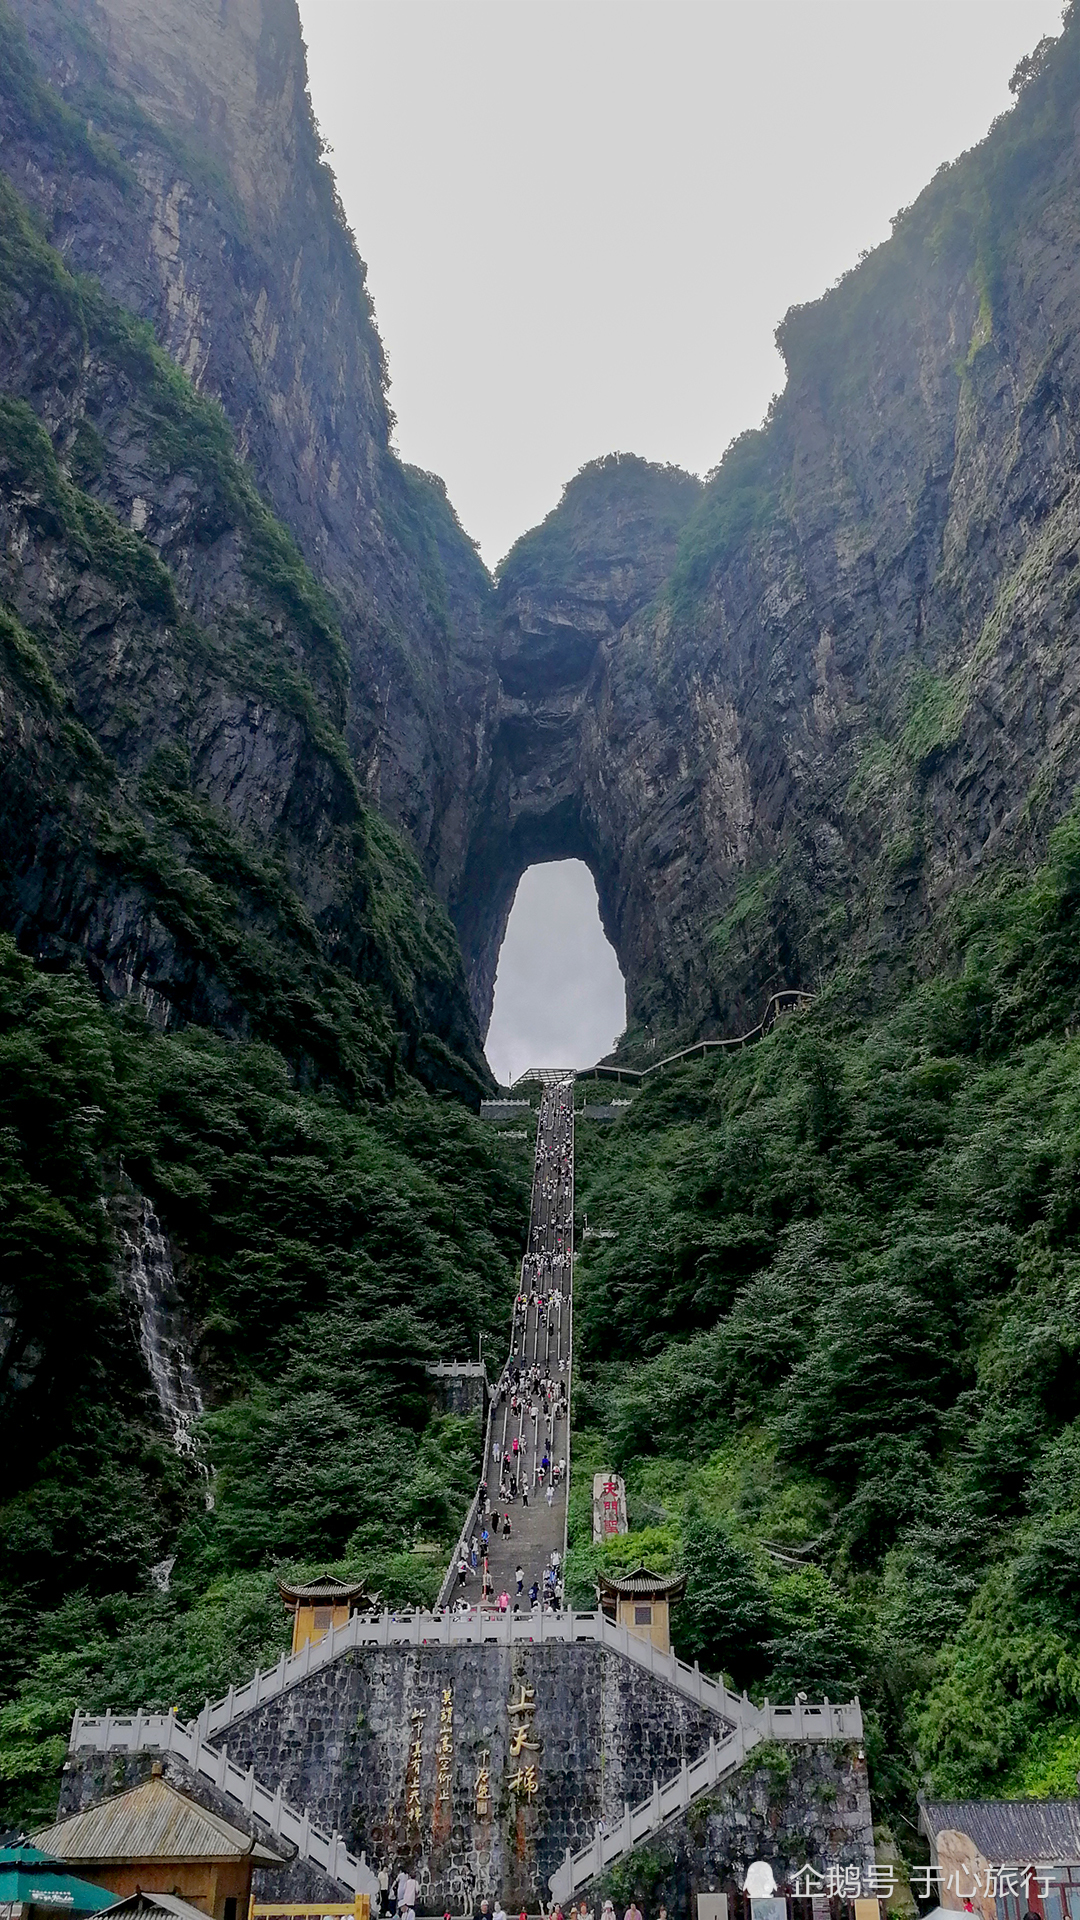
pixel 362 1745
pixel 460 1389
pixel 390 1746
pixel 792 1804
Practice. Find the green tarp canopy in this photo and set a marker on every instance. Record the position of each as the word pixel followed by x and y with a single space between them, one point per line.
pixel 38 1880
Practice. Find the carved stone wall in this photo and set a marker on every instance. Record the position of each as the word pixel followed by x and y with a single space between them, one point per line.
pixel 395 1748
pixel 342 1744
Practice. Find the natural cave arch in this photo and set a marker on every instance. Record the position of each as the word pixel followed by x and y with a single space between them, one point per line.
pixel 560 999
pixel 565 596
pixel 502 852
pixel 595 745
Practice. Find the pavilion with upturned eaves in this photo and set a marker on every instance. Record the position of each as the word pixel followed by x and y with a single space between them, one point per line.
pixel 641 1602
pixel 323 1604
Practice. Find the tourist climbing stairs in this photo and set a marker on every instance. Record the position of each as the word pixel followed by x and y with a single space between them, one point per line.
pixel 517 1525
pixel 527 1481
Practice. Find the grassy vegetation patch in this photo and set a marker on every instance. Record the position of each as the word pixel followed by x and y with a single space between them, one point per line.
pixel 70 135
pixel 746 919
pixel 932 726
pixel 738 500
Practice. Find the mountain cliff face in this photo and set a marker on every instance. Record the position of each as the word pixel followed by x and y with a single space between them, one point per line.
pixel 194 732
pixel 856 684
pixel 780 715
pixel 566 593
pixel 226 236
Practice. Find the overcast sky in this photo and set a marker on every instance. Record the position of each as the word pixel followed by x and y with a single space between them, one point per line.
pixel 583 220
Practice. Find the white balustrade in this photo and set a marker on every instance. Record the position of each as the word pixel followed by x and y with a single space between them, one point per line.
pixel 749 1725
pixel 799 1721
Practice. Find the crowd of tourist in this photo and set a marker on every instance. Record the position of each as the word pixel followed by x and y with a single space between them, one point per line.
pixel 527 1458
pixel 545 1595
pixel 399 1898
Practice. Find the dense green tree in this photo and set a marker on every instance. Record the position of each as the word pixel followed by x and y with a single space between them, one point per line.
pixel 328 1248
pixel 837 1326
pixel 724 1620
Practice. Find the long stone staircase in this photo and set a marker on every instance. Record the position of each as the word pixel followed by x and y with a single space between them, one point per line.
pixel 529 1416
pixel 540 1358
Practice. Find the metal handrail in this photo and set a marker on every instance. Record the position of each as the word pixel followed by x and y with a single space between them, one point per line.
pixel 777 1003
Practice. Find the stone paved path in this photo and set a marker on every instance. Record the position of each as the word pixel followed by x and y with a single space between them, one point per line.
pixel 533 1396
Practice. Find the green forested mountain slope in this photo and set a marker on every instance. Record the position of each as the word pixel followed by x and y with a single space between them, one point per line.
pixel 327 1250
pixel 833 1348
pixel 243 1003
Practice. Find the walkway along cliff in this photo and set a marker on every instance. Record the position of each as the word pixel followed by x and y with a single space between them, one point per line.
pixel 512 1749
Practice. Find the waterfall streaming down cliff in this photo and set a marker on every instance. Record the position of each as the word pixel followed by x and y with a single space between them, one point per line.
pixel 148 1273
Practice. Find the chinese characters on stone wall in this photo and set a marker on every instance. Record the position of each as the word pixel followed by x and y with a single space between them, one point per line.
pixel 442 1816
pixel 412 1771
pixel 483 1786
pixel 523 1757
pixel 524 1781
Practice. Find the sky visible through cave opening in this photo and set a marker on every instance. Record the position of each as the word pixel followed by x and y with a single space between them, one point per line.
pixel 559 995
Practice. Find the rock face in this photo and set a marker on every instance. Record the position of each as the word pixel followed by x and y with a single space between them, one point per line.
pixel 566 595
pixel 782 715
pixel 226 235
pixel 180 805
pixel 857 685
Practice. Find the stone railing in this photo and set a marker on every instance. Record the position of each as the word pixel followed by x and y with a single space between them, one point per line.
pixel 484 1627
pixel 747 1725
pixel 722 1757
pixel 664 1803
pixel 472 1521
pixel 164 1733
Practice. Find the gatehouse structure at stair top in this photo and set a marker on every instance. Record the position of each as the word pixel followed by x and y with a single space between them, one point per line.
pixel 502 1745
